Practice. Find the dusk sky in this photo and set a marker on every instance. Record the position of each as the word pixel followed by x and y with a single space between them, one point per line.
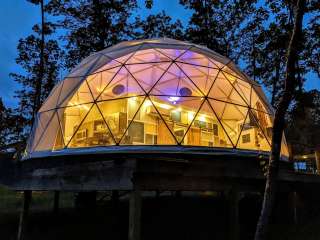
pixel 17 18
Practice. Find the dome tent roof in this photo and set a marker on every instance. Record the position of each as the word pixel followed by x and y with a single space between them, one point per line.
pixel 133 60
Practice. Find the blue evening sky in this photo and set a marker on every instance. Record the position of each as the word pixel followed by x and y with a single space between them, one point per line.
pixel 18 16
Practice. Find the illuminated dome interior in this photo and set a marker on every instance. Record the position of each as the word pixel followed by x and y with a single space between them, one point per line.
pixel 154 92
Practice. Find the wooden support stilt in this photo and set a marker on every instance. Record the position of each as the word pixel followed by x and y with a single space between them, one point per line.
pixel 27 195
pixel 135 215
pixel 115 197
pixel 56 202
pixel 233 199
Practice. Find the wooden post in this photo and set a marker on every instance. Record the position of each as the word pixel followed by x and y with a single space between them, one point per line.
pixel 317 155
pixel 27 195
pixel 56 202
pixel 233 200
pixel 135 215
pixel 115 197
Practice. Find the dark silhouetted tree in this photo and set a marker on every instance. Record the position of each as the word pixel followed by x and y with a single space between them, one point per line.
pixel 291 83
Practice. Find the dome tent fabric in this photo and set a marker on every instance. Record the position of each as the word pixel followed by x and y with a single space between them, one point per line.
pixel 153 92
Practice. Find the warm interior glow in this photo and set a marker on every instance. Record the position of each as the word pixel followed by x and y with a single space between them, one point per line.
pixel 155 101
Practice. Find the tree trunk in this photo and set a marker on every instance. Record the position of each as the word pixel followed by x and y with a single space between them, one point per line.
pixel 38 90
pixel 278 126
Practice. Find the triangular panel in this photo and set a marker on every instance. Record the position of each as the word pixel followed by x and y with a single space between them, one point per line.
pixel 178 114
pixel 99 81
pixel 265 123
pixel 202 77
pixel 70 121
pixel 122 85
pixel 231 117
pixel 197 59
pixel 206 129
pixel 80 96
pixel 93 131
pixel 257 103
pixel 148 74
pixel 172 53
pixel 52 100
pixel 42 122
pixel 251 135
pixel 175 83
pixel 223 90
pixel 148 56
pixel 51 138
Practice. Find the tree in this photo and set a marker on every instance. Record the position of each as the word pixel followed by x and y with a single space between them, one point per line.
pixel 304 117
pixel 11 128
pixel 91 25
pixel 40 61
pixel 159 25
pixel 291 83
pixel 218 24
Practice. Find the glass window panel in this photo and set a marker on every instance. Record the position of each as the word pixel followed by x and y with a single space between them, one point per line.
pixel 80 96
pixel 69 87
pixel 175 83
pixel 148 56
pixel 284 147
pixel 202 77
pixel 99 81
pixel 178 113
pixel 122 85
pixel 206 129
pixel 52 100
pixel 93 131
pixel 42 123
pixel 196 59
pixel 231 117
pixel 148 74
pixel 71 119
pixel 252 137
pixel 265 122
pixel 172 53
pixel 257 102
pixel 51 138
pixel 223 90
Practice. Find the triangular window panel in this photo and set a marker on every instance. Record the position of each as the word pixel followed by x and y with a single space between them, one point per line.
pixel 172 53
pixel 257 103
pixel 69 87
pixel 265 123
pixel 52 100
pixel 178 114
pixel 284 147
pixel 251 135
pixel 175 83
pixel 146 127
pixel 80 96
pixel 99 81
pixel 231 117
pixel 117 112
pixel 105 63
pixel 93 131
pixel 148 74
pixel 70 120
pixel 197 59
pixel 202 77
pixel 42 122
pixel 244 89
pixel 223 90
pixel 122 85
pixel 206 130
pixel 148 56
pixel 51 138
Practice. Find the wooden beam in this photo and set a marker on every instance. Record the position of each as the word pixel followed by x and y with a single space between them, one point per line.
pixel 56 202
pixel 233 200
pixel 27 195
pixel 135 215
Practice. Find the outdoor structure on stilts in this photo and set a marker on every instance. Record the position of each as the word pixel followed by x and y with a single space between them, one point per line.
pixel 152 115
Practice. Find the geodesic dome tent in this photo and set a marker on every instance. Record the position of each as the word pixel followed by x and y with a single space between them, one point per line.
pixel 153 92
